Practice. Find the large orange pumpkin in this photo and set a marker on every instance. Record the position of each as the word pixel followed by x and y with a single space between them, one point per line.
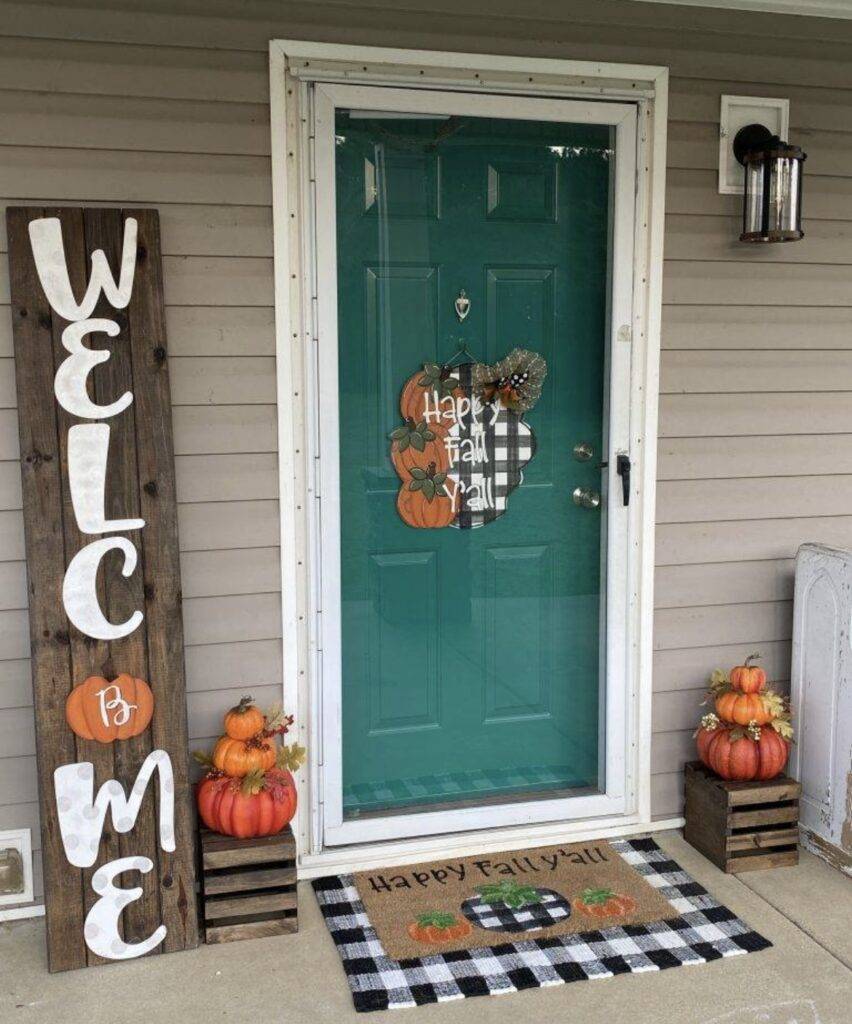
pixel 742 758
pixel 416 445
pixel 244 720
pixel 259 806
pixel 748 678
pixel 107 711
pixel 239 757
pixel 742 708
pixel 431 508
pixel 432 378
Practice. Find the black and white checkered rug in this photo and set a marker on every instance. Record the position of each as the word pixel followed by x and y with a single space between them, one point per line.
pixel 699 930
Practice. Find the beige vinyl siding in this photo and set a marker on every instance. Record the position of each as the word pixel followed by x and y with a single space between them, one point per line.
pixel 165 103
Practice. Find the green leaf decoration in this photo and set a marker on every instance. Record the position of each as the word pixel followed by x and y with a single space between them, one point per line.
pixel 439 490
pixel 428 435
pixel 428 488
pixel 439 478
pixel 404 442
pixel 512 894
pixel 436 919
pixel 399 433
pixel 416 440
pixel 420 427
pixel 415 485
pixel 418 473
pixel 591 897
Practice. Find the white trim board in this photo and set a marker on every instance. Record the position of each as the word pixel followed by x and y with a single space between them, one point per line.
pixel 803 8
pixel 292 65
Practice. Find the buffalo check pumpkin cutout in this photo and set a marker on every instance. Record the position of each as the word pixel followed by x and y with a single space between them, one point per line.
pixel 463 444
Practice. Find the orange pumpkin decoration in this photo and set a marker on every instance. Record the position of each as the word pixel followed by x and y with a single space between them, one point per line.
pixel 424 502
pixel 432 378
pixel 416 446
pixel 748 678
pixel 742 708
pixel 737 757
pixel 107 711
pixel 604 903
pixel 436 927
pixel 239 757
pixel 244 720
pixel 259 805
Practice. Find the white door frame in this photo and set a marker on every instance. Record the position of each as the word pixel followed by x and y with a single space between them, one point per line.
pixel 292 66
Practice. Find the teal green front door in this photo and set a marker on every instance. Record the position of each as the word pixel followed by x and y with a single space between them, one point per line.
pixel 471 658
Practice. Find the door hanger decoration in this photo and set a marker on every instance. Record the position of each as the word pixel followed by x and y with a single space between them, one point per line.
pixel 463 446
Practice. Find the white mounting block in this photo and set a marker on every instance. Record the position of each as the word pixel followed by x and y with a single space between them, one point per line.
pixel 736 113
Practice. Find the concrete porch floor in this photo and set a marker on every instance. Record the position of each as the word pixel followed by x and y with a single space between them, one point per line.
pixel 806 978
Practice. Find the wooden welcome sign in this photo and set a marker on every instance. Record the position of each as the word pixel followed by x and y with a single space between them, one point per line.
pixel 106 630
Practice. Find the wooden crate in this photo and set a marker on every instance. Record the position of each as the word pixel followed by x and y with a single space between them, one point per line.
pixel 742 826
pixel 248 886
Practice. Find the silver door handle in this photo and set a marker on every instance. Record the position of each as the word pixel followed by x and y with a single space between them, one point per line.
pixel 586 498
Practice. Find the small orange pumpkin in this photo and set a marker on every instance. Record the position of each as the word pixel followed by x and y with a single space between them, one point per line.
pixel 742 708
pixel 244 720
pixel 239 757
pixel 424 502
pixel 604 903
pixel 107 711
pixel 436 927
pixel 748 678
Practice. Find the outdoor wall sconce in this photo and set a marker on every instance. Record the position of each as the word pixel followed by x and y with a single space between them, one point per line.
pixel 772 199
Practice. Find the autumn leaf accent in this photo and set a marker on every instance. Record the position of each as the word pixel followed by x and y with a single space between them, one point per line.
pixel 720 681
pixel 773 702
pixel 277 723
pixel 512 894
pixel 428 481
pixel 290 757
pixel 415 435
pixel 783 726
pixel 439 379
pixel 253 783
pixel 203 758
pixel 436 919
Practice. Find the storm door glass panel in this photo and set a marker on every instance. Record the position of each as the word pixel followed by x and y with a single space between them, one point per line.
pixel 471 657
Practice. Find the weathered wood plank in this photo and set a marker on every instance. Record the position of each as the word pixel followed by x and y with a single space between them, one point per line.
pixel 120 595
pixel 51 663
pixel 251 930
pixel 243 881
pixel 164 624
pixel 219 908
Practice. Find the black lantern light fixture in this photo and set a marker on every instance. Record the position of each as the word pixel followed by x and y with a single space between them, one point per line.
pixel 772 201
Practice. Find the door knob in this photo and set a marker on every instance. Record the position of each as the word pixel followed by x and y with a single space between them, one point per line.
pixel 586 498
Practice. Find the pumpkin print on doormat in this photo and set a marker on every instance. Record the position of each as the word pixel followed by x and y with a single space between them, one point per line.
pixel 509 907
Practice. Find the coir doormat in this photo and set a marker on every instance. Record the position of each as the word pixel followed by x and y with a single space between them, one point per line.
pixel 489 925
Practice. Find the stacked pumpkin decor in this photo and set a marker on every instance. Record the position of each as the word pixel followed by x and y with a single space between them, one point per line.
pixel 248 789
pixel 748 735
